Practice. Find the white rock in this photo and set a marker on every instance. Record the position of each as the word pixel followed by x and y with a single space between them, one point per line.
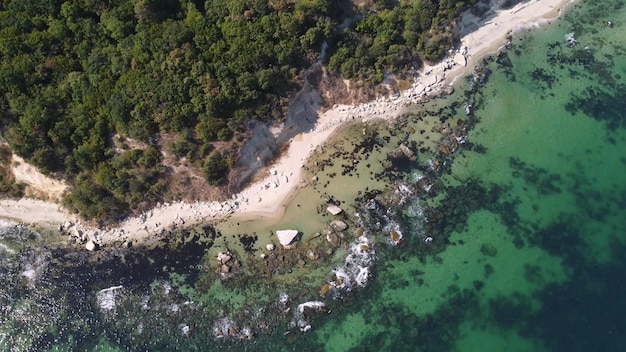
pixel 459 59
pixel 270 247
pixel 333 209
pixel 223 257
pixel 432 80
pixel 90 246
pixel 285 237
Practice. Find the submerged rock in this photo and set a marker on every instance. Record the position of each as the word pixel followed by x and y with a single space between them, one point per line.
pixel 488 249
pixel 325 289
pixel 312 255
pixel 395 236
pixel 333 239
pixel 570 39
pixel 402 152
pixel 338 225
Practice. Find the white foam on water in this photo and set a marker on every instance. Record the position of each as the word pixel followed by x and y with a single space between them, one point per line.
pixel 283 298
pixel 144 303
pixel 184 329
pixel 167 288
pixel 393 227
pixel 226 327
pixel 299 320
pixel 5 248
pixel 310 304
pixel 30 274
pixel 221 327
pixel 106 298
pixel 355 271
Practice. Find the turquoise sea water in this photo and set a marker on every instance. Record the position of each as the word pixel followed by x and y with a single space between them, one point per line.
pixel 535 258
pixel 526 218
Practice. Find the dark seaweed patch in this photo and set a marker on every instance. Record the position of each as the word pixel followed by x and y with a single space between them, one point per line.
pixel 540 178
pixel 602 105
pixel 506 65
pixel 532 274
pixel 510 311
pixel 435 332
pixel 248 241
pixel 560 239
pixel 585 313
pixel 543 78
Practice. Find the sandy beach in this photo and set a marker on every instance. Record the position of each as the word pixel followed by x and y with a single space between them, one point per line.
pixel 269 196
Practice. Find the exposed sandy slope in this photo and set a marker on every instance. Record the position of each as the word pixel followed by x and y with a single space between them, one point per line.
pixel 39 185
pixel 269 196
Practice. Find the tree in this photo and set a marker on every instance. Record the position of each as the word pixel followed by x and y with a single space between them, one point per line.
pixel 216 169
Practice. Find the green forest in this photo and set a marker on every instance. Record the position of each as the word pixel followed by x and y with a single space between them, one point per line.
pixel 75 75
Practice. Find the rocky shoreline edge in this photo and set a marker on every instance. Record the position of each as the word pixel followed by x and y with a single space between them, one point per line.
pixel 267 197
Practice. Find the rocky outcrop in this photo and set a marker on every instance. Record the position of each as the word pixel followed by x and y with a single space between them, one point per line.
pixel 402 152
pixel 227 264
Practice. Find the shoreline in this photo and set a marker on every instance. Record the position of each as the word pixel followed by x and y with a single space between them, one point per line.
pixel 268 197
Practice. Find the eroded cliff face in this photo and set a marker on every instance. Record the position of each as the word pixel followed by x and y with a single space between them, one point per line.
pixel 266 142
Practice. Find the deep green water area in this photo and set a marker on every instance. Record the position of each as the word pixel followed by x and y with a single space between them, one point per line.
pixel 506 231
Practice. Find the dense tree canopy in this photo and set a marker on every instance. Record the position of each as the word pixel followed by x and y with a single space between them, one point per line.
pixel 393 36
pixel 73 74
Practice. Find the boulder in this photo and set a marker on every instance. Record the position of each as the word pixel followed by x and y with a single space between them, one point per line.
pixel 402 152
pixel 460 60
pixel 312 255
pixel 270 246
pixel 286 237
pixel 333 239
pixel 488 249
pixel 91 246
pixel 431 80
pixel 224 258
pixel 333 209
pixel 338 225
pixel 406 151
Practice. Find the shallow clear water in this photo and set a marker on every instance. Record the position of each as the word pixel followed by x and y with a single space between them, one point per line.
pixel 526 221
